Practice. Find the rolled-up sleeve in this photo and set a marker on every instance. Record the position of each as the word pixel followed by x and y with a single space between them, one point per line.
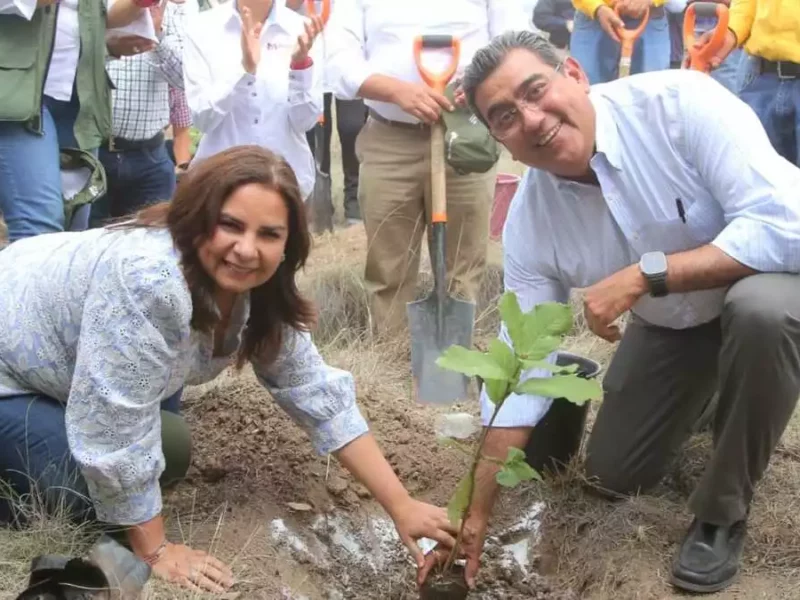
pixel 134 327
pixel 756 188
pixel 522 277
pixel 319 398
pixel 347 66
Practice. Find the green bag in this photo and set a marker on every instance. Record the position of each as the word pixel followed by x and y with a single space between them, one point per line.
pixel 83 180
pixel 468 145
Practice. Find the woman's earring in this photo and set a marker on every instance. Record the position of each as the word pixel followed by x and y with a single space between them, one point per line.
pixel 283 257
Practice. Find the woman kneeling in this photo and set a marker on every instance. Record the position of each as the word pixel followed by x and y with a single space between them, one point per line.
pixel 101 330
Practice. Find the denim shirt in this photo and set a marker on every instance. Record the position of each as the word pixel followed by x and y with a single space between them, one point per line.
pixel 100 321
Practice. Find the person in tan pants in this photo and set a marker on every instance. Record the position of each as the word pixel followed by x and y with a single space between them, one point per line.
pixel 371 57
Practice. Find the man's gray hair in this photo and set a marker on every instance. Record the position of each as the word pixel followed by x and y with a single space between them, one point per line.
pixel 488 58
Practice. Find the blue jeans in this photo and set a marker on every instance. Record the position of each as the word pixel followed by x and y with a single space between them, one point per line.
pixel 30 177
pixel 37 471
pixel 136 178
pixel 776 102
pixel 599 55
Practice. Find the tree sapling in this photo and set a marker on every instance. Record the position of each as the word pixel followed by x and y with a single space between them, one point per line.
pixel 534 336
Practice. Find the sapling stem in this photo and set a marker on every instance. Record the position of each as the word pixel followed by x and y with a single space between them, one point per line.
pixel 472 472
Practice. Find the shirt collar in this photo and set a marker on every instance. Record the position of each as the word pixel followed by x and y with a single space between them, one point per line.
pixel 276 14
pixel 607 140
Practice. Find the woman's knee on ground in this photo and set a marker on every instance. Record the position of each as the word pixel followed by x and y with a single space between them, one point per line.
pixel 176 444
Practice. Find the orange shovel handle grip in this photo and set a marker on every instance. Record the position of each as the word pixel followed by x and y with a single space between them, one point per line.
pixel 438 81
pixel 700 58
pixel 629 36
pixel 311 9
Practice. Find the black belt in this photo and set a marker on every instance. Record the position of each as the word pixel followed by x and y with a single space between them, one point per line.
pixel 781 68
pixel 400 124
pixel 116 144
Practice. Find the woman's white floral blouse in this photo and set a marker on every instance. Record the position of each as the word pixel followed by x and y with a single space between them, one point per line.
pixel 100 321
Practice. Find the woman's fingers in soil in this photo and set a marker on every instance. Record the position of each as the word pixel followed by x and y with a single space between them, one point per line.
pixel 432 559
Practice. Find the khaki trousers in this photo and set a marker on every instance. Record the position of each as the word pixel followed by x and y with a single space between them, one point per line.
pixel 394 195
pixel 660 380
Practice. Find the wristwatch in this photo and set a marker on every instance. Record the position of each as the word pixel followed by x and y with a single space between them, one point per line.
pixel 653 266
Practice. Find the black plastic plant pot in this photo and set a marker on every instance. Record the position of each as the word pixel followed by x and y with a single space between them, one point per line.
pixel 556 439
pixel 449 585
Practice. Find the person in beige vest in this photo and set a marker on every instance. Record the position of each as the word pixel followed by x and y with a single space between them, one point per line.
pixel 371 57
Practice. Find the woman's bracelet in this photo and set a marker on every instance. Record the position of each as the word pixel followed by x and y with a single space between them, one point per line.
pixel 153 557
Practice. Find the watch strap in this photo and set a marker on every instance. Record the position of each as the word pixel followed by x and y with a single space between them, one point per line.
pixel 658 285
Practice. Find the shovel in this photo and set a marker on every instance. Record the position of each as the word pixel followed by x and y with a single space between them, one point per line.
pixel 700 59
pixel 628 38
pixel 438 321
pixel 321 199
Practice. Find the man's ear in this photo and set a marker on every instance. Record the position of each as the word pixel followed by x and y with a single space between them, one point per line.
pixel 572 69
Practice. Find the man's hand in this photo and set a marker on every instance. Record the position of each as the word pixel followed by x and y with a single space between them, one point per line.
pixel 129 45
pixel 251 41
pixel 633 8
pixel 609 22
pixel 471 547
pixel 420 101
pixel 306 40
pixel 728 46
pixel 610 298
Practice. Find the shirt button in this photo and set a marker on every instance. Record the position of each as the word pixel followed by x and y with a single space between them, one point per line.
pixel 255 121
pixel 254 94
pixel 249 83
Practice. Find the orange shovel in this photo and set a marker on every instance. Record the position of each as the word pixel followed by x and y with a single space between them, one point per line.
pixel 700 58
pixel 440 320
pixel 628 38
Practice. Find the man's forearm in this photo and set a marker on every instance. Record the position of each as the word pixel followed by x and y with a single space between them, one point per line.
pixel 379 87
pixel 703 268
pixel 498 441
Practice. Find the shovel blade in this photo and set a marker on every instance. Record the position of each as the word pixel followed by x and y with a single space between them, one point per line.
pixel 433 385
pixel 321 203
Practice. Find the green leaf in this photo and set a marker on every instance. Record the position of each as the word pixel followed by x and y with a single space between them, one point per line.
pixel 471 362
pixel 548 366
pixel 497 389
pixel 515 455
pixel 543 328
pixel 513 318
pixel 571 387
pixel 507 478
pixel 515 469
pixel 459 502
pixel 542 347
pixel 524 472
pixel 504 356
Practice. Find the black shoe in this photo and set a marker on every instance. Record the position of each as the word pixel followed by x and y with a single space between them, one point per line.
pixel 708 560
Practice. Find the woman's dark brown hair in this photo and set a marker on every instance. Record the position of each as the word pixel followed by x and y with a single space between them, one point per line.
pixel 192 218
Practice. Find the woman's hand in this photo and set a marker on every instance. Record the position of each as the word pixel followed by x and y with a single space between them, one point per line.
pixel 193 569
pixel 414 519
pixel 305 41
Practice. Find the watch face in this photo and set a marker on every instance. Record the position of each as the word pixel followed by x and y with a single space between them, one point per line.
pixel 654 263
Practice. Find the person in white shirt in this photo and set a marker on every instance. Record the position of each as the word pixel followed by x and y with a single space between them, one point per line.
pixel 371 56
pixel 660 194
pixel 250 78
